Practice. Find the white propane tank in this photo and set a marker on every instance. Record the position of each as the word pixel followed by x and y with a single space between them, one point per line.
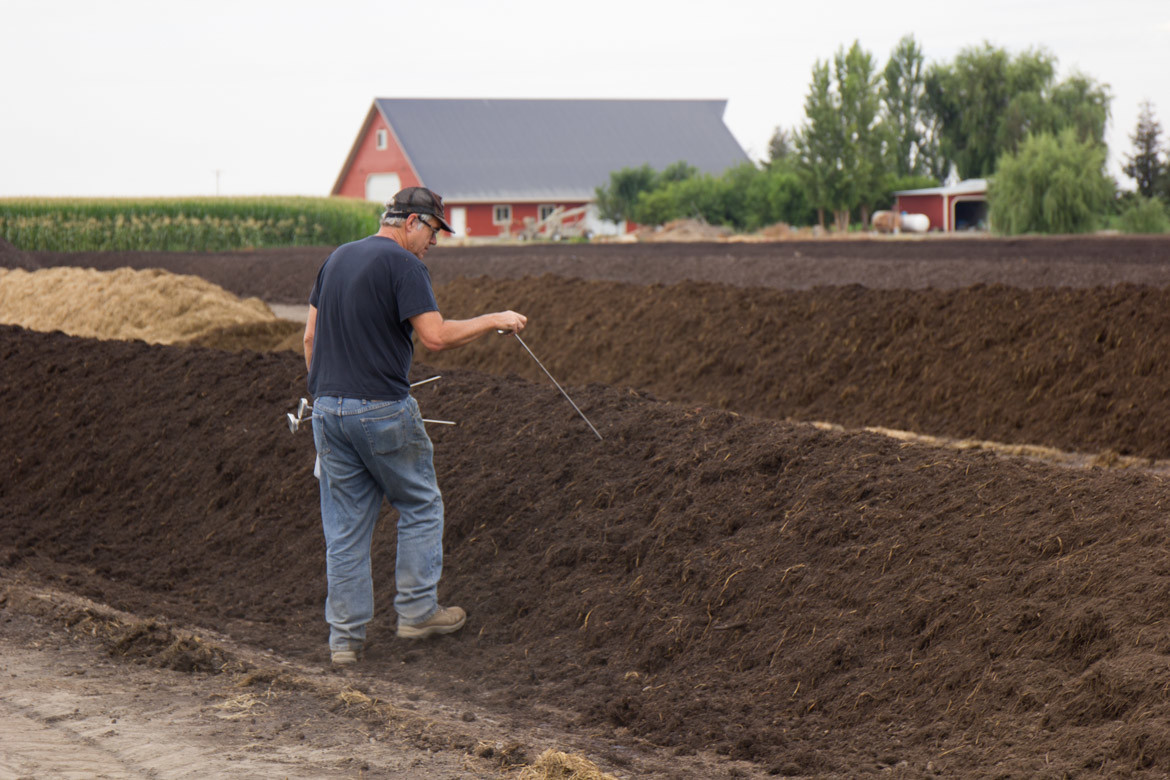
pixel 915 223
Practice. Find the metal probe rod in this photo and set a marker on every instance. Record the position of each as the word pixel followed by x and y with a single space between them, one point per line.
pixel 555 382
pixel 295 420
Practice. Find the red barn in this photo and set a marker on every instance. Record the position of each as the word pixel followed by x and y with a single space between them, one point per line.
pixel 961 206
pixel 503 165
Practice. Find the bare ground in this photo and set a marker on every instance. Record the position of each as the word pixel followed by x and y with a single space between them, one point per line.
pixel 704 594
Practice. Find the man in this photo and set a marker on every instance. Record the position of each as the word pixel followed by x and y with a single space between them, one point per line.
pixel 370 296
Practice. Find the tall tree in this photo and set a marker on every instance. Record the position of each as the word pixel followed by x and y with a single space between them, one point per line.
pixel 1080 103
pixel 819 141
pixel 1146 165
pixel 988 101
pixel 864 135
pixel 972 95
pixel 841 144
pixel 912 126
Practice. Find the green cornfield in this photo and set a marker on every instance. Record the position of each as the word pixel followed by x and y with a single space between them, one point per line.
pixel 183 224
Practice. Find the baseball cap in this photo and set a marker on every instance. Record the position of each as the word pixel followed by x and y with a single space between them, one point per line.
pixel 417 200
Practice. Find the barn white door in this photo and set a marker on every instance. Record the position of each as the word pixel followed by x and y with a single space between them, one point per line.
pixel 381 187
pixel 458 219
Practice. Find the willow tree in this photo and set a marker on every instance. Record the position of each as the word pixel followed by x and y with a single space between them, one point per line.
pixel 1051 184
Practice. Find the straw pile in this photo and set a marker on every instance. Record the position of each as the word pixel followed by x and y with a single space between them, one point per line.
pixel 555 765
pixel 151 305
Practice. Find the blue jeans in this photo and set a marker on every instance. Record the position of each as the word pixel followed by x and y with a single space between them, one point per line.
pixel 367 450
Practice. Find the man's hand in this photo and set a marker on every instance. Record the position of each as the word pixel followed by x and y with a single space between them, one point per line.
pixel 510 321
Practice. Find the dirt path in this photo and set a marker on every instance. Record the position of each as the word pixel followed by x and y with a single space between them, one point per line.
pixel 78 700
pixel 69 712
pixel 294 312
pixel 70 708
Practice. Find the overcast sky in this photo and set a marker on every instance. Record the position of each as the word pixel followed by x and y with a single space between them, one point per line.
pixel 250 97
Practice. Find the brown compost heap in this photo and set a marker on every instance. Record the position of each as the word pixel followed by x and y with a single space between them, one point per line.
pixel 717 573
pixel 1076 368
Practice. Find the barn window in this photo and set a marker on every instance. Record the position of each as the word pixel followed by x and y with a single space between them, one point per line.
pixel 546 209
pixel 502 215
pixel 381 139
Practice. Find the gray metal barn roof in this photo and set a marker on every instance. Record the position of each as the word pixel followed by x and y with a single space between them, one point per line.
pixel 555 150
pixel 965 187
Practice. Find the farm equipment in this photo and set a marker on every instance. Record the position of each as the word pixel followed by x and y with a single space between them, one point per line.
pixel 560 223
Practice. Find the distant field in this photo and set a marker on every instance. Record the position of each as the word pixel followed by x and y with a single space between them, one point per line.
pixel 182 224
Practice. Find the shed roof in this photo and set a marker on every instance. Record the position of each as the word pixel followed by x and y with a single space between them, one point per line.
pixel 555 150
pixel 965 187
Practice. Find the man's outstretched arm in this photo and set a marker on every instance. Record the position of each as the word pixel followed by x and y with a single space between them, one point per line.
pixel 437 334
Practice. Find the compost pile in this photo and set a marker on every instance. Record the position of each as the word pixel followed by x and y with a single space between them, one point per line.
pixel 711 575
pixel 287 275
pixel 1077 368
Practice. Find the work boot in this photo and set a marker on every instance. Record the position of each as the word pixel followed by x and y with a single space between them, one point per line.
pixel 447 620
pixel 344 657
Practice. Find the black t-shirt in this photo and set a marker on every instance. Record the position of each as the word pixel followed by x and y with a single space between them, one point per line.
pixel 365 295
